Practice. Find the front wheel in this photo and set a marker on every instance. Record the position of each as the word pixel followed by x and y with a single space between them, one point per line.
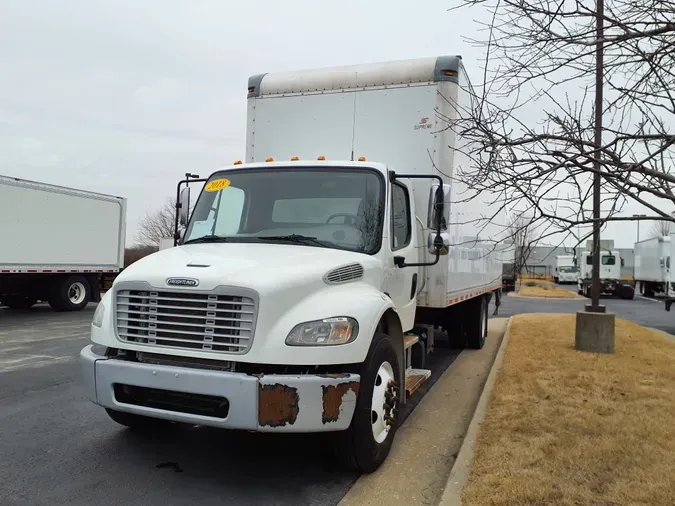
pixel 366 444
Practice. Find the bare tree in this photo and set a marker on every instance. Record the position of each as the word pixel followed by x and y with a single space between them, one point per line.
pixel 157 225
pixel 523 234
pixel 661 228
pixel 530 129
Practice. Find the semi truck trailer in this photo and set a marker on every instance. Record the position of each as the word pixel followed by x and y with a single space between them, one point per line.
pixel 652 265
pixel 59 245
pixel 315 276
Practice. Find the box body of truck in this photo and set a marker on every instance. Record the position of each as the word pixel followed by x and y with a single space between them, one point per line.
pixel 60 245
pixel 312 280
pixel 566 270
pixel 398 113
pixel 652 265
pixel 610 272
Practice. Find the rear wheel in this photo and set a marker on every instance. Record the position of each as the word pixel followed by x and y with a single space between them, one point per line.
pixel 626 292
pixel 648 290
pixel 366 444
pixel 71 294
pixel 477 322
pixel 18 301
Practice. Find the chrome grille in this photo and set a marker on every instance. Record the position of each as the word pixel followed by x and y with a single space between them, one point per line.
pixel 196 321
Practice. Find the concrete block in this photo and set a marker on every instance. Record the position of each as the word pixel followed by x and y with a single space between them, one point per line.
pixel 594 332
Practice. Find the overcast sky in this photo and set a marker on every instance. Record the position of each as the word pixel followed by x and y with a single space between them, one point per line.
pixel 124 97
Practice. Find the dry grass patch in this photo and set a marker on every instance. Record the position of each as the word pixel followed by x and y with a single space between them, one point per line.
pixel 567 428
pixel 543 289
pixel 536 277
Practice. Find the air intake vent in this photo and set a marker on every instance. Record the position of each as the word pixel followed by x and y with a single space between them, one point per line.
pixel 344 274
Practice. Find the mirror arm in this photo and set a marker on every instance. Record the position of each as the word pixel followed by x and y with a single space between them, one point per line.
pixel 189 178
pixel 438 206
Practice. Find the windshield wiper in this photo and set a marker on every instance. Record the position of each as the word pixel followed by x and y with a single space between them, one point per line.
pixel 299 239
pixel 207 238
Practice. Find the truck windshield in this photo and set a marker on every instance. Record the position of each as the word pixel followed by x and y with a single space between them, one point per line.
pixel 328 206
pixel 604 260
pixel 569 269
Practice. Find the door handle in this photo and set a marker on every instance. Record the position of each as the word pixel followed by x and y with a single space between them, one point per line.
pixel 413 289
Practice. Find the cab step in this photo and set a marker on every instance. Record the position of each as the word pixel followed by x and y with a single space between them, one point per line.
pixel 415 378
pixel 409 340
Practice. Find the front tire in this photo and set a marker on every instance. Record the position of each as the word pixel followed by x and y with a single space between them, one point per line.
pixel 366 444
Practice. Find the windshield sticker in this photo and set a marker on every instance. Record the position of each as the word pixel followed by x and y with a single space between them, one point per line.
pixel 216 185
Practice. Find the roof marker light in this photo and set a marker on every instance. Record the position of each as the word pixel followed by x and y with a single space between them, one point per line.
pixel 238 162
pixel 321 157
pixel 269 159
pixel 295 159
pixel 362 158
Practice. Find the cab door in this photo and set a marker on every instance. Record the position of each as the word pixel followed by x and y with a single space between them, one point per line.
pixel 403 282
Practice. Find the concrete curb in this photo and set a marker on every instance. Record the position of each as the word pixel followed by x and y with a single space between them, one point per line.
pixel 459 474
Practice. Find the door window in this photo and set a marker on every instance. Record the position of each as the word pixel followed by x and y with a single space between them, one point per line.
pixel 401 230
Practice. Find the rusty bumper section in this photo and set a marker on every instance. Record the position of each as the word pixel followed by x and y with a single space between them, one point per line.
pixel 269 403
pixel 307 403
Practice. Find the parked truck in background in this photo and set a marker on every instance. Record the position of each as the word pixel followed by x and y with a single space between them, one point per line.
pixel 312 279
pixel 652 265
pixel 59 245
pixel 509 274
pixel 610 271
pixel 566 270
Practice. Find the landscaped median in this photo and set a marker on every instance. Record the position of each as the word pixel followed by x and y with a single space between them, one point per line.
pixel 545 289
pixel 568 427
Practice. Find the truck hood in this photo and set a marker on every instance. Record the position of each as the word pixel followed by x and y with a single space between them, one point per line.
pixel 261 267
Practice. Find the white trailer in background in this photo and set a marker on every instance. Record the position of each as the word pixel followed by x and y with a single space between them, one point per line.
pixel 652 265
pixel 59 245
pixel 312 280
pixel 566 270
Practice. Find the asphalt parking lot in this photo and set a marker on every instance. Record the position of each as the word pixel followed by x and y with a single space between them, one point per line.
pixel 58 448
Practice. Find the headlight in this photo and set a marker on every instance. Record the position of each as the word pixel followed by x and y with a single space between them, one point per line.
pixel 329 332
pixel 98 315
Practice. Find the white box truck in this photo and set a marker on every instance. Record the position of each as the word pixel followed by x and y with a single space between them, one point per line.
pixel 311 280
pixel 652 265
pixel 566 270
pixel 610 271
pixel 59 245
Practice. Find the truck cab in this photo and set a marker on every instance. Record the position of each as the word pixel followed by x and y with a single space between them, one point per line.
pixel 284 308
pixel 610 274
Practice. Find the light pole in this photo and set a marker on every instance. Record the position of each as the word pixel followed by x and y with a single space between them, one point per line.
pixel 638 225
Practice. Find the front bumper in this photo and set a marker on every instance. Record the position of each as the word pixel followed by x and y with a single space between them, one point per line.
pixel 266 403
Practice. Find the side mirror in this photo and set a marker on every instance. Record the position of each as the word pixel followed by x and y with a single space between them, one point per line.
pixel 184 203
pixel 442 246
pixel 439 212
